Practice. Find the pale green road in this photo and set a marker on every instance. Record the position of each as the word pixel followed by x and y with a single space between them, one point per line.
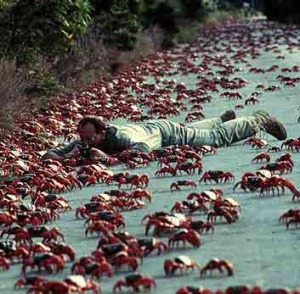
pixel 261 249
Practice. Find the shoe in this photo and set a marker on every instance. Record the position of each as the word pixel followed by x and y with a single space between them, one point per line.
pixel 270 124
pixel 228 115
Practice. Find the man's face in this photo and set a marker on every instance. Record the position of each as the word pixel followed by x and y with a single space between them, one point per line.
pixel 88 134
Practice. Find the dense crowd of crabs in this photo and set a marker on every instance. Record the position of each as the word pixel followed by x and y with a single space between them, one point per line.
pixel 31 189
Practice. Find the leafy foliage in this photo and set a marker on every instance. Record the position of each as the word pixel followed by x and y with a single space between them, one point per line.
pixel 120 21
pixel 283 11
pixel 193 8
pixel 32 27
pixel 57 42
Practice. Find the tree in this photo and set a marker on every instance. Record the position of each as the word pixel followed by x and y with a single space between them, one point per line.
pixel 193 9
pixel 119 21
pixel 33 27
pixel 283 11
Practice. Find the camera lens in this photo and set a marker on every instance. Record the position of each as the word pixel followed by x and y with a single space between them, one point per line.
pixel 91 140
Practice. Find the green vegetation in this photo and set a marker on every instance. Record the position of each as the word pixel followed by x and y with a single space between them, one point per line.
pixel 61 45
pixel 30 28
pixel 287 11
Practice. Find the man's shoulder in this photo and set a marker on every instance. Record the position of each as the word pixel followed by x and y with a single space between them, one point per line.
pixel 74 142
pixel 111 130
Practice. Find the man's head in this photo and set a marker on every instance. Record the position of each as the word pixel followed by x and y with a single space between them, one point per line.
pixel 91 130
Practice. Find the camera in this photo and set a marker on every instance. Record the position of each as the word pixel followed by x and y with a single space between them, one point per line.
pixel 85 151
pixel 86 147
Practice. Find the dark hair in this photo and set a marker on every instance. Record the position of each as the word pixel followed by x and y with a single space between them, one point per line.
pixel 97 122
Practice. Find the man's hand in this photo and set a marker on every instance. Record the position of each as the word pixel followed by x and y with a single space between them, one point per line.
pixel 74 153
pixel 98 154
pixel 52 155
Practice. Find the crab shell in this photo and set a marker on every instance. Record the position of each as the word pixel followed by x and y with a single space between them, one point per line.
pixel 77 280
pixel 232 202
pixel 184 259
pixel 264 173
pixel 175 219
pixel 210 195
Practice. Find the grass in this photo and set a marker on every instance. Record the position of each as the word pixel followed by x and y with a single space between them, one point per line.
pixel 223 15
pixel 12 94
pixel 187 33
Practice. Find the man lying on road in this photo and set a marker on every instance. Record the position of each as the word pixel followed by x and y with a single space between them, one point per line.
pixel 99 139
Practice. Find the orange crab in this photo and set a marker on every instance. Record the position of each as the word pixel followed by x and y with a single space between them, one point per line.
pixel 260 157
pixel 178 184
pixel 185 235
pixel 135 281
pixel 182 263
pixel 218 264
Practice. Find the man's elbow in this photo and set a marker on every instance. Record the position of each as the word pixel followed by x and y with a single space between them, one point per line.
pixel 141 147
pixel 51 155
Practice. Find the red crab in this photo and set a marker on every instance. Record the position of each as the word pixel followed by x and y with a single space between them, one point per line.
pixel 148 245
pixel 91 207
pixel 11 250
pixel 189 167
pixel 206 196
pixel 189 206
pixel 251 100
pixel 185 235
pixel 4 263
pixel 23 235
pixel 195 290
pixel 177 184
pixel 115 218
pixel 256 142
pixel 166 170
pixel 285 157
pixel 28 281
pixel 217 176
pixel 251 181
pixel 274 149
pixel 163 222
pixel 62 249
pixel 82 284
pixel 46 261
pixel 239 106
pixel 135 281
pixel 195 156
pixel 292 144
pixel 93 268
pixel 281 167
pixel 169 159
pixel 49 200
pixel 123 258
pixel 207 150
pixel 66 286
pixel 227 208
pixel 260 157
pixel 181 263
pixel 139 181
pixel 218 264
pixel 199 226
pixel 291 213
pixel 140 194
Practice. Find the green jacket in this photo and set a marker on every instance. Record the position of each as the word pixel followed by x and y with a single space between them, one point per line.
pixel 144 138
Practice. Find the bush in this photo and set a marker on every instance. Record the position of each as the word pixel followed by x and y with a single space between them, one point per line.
pixel 120 21
pixel 86 61
pixel 33 27
pixel 13 101
pixel 223 15
pixel 282 11
pixel 187 34
pixel 193 9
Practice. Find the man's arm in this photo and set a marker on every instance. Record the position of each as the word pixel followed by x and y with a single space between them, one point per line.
pixel 125 142
pixel 62 151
